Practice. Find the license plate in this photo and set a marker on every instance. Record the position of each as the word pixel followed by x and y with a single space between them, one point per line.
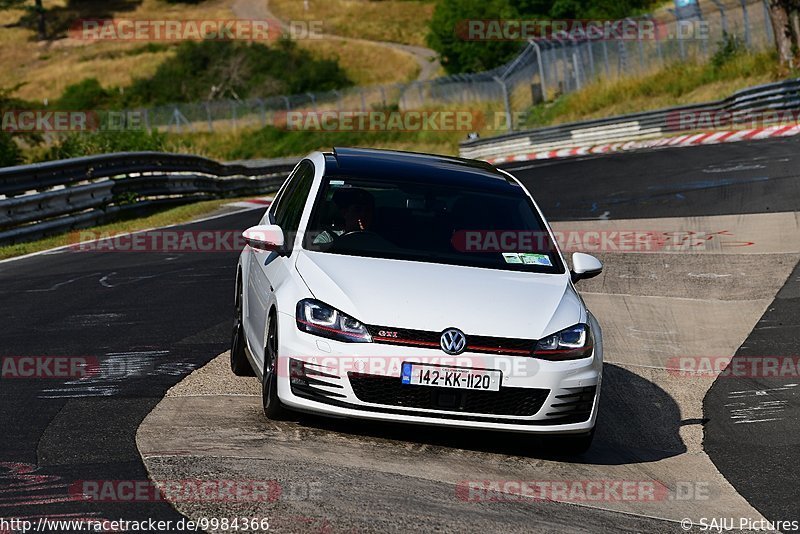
pixel 450 377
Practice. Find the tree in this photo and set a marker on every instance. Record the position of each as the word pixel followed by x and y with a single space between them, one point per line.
pixel 460 54
pixel 463 55
pixel 37 9
pixel 786 27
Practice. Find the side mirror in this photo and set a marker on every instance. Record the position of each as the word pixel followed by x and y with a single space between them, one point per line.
pixel 585 266
pixel 268 237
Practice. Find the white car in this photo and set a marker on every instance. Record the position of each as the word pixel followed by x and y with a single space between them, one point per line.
pixel 421 289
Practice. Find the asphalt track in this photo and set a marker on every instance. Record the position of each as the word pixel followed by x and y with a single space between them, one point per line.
pixel 758 453
pixel 153 318
pixel 733 178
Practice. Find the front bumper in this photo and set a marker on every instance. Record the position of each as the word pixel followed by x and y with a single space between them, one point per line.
pixel 362 380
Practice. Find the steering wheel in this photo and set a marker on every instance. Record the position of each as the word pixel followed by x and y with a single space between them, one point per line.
pixel 359 232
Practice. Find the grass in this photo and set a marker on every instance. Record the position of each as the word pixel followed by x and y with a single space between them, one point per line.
pixel 676 84
pixel 177 215
pixel 46 68
pixel 358 60
pixel 272 142
pixel 398 21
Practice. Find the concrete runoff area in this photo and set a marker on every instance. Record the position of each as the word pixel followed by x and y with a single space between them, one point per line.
pixel 377 476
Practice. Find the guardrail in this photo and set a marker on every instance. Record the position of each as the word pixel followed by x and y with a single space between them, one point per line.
pixel 742 107
pixel 45 198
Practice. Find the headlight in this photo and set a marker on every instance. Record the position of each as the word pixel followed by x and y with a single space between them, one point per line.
pixel 318 318
pixel 570 344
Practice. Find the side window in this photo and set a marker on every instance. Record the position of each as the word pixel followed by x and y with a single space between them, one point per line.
pixel 290 206
pixel 269 215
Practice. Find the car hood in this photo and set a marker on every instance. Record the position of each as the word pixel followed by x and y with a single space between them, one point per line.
pixel 434 297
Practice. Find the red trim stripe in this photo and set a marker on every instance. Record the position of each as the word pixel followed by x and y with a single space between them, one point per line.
pixel 500 350
pixel 401 341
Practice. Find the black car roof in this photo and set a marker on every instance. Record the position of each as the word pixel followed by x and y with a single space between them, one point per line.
pixel 415 167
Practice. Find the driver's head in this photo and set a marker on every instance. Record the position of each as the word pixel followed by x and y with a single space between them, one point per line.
pixel 356 207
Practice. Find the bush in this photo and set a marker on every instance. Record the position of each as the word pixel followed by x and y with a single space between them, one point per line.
pixel 730 47
pixel 210 70
pixel 79 144
pixel 10 153
pixel 84 95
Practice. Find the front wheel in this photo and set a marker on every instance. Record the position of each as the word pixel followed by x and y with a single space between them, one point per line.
pixel 240 365
pixel 273 408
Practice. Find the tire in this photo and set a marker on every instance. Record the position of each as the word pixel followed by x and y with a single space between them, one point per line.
pixel 240 365
pixel 273 408
pixel 571 445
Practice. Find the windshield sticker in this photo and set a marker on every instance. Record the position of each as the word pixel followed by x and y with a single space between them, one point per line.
pixel 536 259
pixel 512 257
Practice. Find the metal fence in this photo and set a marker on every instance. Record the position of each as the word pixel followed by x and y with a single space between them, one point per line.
pixel 544 69
pixel 766 106
pixel 47 198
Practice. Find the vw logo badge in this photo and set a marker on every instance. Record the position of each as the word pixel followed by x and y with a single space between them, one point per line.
pixel 453 341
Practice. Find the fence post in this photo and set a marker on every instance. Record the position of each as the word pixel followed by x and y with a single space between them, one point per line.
pixel 746 19
pixel 605 59
pixel 208 117
pixel 233 114
pixel 591 57
pixel 263 110
pixel 178 118
pixel 722 16
pixel 506 101
pixel 767 22
pixel 313 98
pixel 678 32
pixel 622 63
pixel 288 104
pixel 641 55
pixel 657 40
pixel 576 66
pixel 543 82
pixel 703 42
pixel 564 65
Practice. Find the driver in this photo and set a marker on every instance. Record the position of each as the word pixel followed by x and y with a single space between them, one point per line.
pixel 356 208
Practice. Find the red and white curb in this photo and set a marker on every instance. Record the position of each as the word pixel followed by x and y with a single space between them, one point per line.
pixel 253 203
pixel 706 138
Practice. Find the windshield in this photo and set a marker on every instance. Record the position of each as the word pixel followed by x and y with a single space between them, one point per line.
pixel 431 223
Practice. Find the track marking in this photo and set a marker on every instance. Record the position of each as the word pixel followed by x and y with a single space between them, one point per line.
pixel 61 284
pixel 58 249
